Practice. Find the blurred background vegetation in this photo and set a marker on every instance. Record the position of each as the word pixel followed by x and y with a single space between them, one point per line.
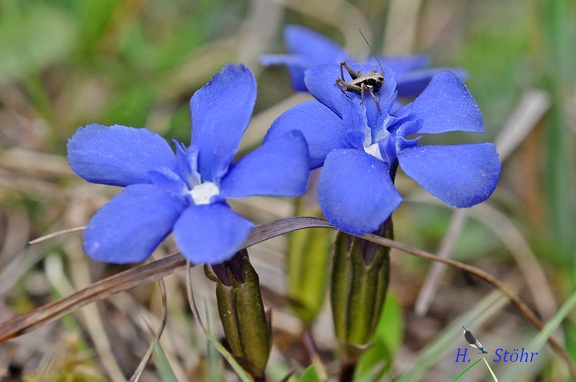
pixel 66 63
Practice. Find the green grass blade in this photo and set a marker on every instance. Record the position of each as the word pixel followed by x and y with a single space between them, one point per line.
pixel 163 365
pixel 444 341
pixel 466 370
pixel 540 339
pixel 242 374
pixel 554 322
pixel 491 372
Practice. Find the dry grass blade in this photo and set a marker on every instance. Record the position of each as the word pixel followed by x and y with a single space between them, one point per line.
pixel 146 359
pixel 138 275
pixel 531 108
pixel 55 234
pixel 158 269
pixel 432 281
pixel 192 301
pixel 98 291
pixel 514 299
pixel 242 374
pixel 536 280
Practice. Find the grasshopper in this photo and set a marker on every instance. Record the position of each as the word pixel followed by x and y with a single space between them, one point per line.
pixel 360 83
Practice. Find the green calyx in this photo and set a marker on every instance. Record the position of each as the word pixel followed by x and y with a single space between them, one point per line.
pixel 246 324
pixel 360 277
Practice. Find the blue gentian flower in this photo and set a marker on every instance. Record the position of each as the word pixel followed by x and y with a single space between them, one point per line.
pixel 307 48
pixel 360 146
pixel 185 193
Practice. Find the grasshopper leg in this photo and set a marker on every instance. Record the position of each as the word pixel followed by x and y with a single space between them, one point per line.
pixel 342 85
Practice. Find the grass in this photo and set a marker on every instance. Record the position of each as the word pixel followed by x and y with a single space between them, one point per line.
pixel 66 63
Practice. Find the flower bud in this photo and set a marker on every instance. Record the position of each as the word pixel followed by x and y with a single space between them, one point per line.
pixel 360 277
pixel 308 262
pixel 246 324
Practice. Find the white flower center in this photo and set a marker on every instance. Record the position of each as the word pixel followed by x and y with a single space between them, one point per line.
pixel 202 193
pixel 373 150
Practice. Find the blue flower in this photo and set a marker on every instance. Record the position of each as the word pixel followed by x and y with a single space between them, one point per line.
pixel 185 193
pixel 360 146
pixel 307 48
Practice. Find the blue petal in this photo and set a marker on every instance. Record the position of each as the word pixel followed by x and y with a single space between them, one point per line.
pixel 355 191
pixel 401 64
pixel 321 82
pixel 128 228
pixel 323 130
pixel 460 175
pixel 412 83
pixel 296 65
pixel 277 168
pixel 447 105
pixel 118 155
pixel 221 112
pixel 283 59
pixel 297 77
pixel 210 233
pixel 316 48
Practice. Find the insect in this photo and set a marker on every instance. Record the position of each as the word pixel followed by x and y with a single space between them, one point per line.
pixel 472 341
pixel 361 83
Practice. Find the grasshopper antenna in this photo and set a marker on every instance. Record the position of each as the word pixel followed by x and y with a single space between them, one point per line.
pixel 371 49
